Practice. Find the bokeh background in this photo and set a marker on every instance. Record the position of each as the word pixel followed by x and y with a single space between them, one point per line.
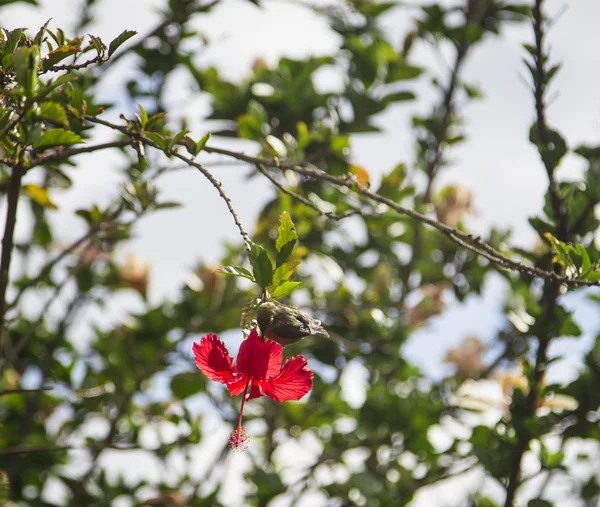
pixel 496 164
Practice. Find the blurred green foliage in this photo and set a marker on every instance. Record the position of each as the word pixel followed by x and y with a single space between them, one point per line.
pixel 378 452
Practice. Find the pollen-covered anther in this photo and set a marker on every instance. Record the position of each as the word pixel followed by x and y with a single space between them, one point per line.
pixel 238 440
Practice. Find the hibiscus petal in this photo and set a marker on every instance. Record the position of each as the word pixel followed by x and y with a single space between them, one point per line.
pixel 261 359
pixel 213 360
pixel 237 385
pixel 254 391
pixel 293 382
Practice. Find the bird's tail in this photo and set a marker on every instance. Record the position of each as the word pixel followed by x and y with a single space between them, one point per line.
pixel 318 330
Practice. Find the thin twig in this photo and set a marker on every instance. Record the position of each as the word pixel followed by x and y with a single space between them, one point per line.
pixel 432 168
pixel 64 154
pixel 6 392
pixel 541 360
pixel 469 241
pixel 122 407
pixel 70 67
pixel 16 120
pixel 14 352
pixel 190 161
pixel 303 199
pixel 23 449
pixel 447 108
pixel 50 265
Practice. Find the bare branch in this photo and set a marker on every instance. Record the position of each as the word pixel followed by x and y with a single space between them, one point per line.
pixel 50 265
pixel 13 353
pixel 64 154
pixel 304 200
pixel 6 392
pixel 549 298
pixel 190 161
pixel 540 87
pixel 78 66
pixel 469 241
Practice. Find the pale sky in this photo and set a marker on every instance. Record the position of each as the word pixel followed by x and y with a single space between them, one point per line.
pixel 497 162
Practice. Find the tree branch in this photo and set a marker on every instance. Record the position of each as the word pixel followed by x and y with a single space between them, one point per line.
pixel 541 362
pixel 540 87
pixel 469 241
pixel 8 242
pixel 552 288
pixel 190 161
pixel 304 200
pixel 13 352
pixel 447 108
pixel 64 154
pixel 6 392
pixel 50 265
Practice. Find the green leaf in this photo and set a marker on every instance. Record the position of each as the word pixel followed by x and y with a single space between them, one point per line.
pixel 57 178
pixel 202 143
pixel 115 43
pixel 176 138
pixel 561 250
pixel 14 36
pixel 554 459
pixel 586 263
pixel 143 115
pixel 156 122
pixel 472 91
pixel 588 152
pixel 55 83
pixel 552 72
pixel 286 231
pixel 236 271
pixel 400 71
pixel 552 148
pixel 376 9
pixel 540 225
pixel 159 140
pixel 592 276
pixel 97 44
pixel 569 328
pixel 187 384
pixel 57 55
pixel 57 137
pixel 168 205
pixel 283 272
pixel 397 97
pixel 286 238
pixel 54 112
pixel 262 266
pixel 26 61
pixel 285 289
pixel 189 144
pixel 392 182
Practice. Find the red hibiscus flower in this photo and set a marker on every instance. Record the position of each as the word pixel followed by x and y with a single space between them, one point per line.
pixel 257 372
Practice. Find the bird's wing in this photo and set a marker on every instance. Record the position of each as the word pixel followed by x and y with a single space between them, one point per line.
pixel 295 328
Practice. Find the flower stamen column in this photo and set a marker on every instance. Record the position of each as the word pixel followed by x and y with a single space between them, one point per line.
pixel 238 440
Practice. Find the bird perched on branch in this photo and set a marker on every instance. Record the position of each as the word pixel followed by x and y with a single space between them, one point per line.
pixel 285 325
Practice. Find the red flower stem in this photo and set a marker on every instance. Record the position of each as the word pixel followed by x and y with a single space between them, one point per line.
pixel 243 402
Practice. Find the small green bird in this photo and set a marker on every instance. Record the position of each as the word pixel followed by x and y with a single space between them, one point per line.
pixel 285 325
